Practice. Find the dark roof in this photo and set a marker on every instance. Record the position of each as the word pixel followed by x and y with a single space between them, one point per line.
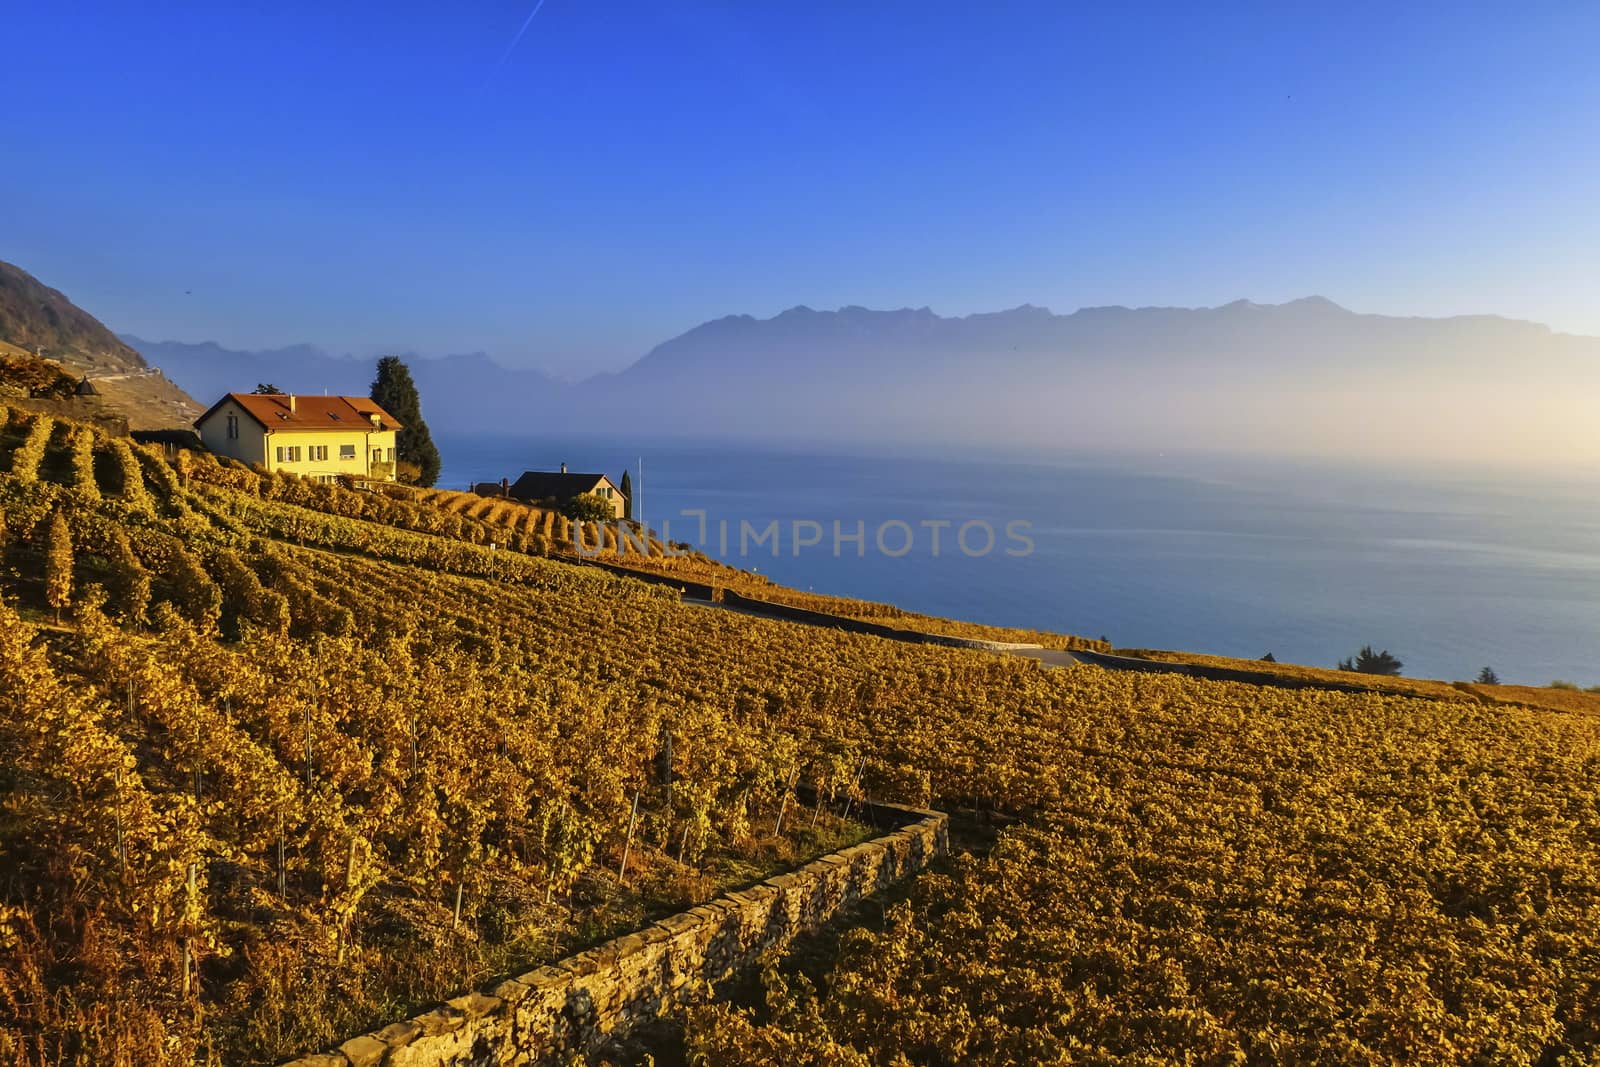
pixel 554 485
pixel 310 412
pixel 86 388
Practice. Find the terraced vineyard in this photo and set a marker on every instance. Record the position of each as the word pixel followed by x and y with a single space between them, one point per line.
pixel 296 763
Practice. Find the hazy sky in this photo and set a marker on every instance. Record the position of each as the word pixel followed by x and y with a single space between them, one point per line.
pixel 397 175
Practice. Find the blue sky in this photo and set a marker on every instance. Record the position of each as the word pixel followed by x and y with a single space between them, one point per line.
pixel 368 176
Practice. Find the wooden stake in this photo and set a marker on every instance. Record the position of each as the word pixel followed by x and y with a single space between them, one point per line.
pixel 456 921
pixel 283 873
pixel 777 826
pixel 188 949
pixel 633 817
pixel 854 784
pixel 122 848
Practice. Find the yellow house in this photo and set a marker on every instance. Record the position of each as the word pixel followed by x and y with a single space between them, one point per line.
pixel 319 437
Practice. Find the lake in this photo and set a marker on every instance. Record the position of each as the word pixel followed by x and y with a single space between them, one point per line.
pixel 1449 570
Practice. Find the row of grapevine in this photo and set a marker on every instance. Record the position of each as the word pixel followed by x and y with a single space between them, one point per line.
pixel 290 767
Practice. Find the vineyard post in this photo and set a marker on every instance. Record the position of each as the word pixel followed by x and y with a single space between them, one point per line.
pixel 783 805
pixel 413 743
pixel 199 763
pixel 855 783
pixel 633 817
pixel 283 873
pixel 349 880
pixel 308 748
pixel 455 920
pixel 116 798
pixel 666 765
pixel 188 950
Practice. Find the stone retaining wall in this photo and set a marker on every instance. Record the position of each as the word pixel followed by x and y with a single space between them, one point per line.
pixel 585 1000
pixel 861 626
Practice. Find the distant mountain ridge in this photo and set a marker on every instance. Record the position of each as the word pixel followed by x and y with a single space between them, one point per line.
pixel 456 390
pixel 1296 376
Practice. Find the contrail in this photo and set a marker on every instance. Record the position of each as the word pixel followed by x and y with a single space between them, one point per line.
pixel 513 45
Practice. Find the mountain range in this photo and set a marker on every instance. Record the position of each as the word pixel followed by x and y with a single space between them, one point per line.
pixel 1303 377
pixel 1307 376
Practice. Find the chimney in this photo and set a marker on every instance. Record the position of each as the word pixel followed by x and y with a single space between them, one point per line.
pixel 505 486
pixel 563 468
pixel 291 403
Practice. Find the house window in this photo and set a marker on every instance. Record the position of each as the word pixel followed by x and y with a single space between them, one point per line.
pixel 377 455
pixel 233 427
pixel 347 451
pixel 391 455
pixel 604 491
pixel 319 452
pixel 281 451
pixel 292 453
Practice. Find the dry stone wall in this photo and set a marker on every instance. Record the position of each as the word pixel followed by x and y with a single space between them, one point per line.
pixel 580 1003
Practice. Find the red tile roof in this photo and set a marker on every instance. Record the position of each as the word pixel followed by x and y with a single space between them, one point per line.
pixel 310 412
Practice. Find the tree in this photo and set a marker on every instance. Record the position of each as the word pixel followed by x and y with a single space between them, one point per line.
pixel 58 565
pixel 395 392
pixel 588 507
pixel 266 389
pixel 1269 658
pixel 627 496
pixel 1369 662
pixel 1488 677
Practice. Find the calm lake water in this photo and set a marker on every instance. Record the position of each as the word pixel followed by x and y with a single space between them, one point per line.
pixel 1448 571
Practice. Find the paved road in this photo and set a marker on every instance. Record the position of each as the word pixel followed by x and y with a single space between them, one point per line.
pixel 1050 657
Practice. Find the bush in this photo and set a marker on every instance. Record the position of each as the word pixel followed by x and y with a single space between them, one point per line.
pixel 588 507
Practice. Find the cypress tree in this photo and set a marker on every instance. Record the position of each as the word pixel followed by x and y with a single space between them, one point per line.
pixel 395 392
pixel 58 565
pixel 627 496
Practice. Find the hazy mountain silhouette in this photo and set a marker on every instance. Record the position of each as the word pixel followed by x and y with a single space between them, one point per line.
pixel 458 392
pixel 1304 376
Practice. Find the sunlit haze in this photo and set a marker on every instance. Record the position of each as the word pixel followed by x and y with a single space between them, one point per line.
pixel 372 177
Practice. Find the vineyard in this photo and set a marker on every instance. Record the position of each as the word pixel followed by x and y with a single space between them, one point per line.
pixel 1553 698
pixel 686 564
pixel 301 759
pixel 1237 876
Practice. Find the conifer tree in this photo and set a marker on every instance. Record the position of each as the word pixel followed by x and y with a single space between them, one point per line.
pixel 627 496
pixel 58 565
pixel 395 392
pixel 1369 662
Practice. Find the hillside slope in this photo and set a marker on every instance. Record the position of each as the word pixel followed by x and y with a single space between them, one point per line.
pixel 283 773
pixel 37 318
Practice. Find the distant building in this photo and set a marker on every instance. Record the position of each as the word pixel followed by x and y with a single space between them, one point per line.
pixel 556 488
pixel 86 388
pixel 320 437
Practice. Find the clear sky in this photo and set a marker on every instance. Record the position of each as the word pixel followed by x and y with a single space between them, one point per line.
pixel 399 175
